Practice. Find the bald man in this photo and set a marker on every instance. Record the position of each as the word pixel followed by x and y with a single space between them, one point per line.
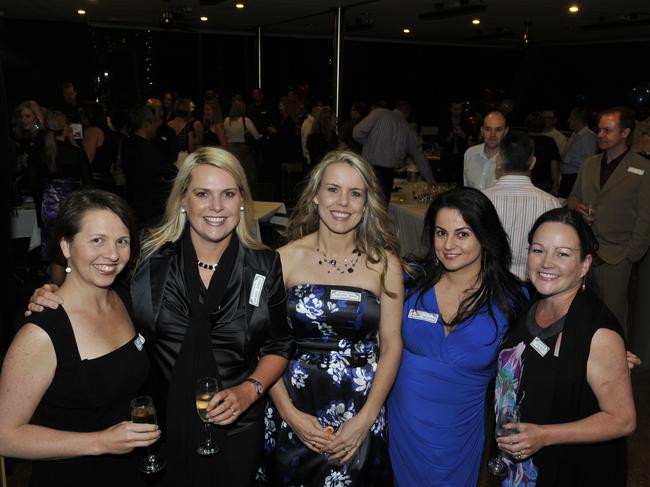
pixel 479 165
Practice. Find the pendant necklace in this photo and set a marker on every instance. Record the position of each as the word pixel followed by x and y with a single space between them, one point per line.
pixel 210 267
pixel 348 263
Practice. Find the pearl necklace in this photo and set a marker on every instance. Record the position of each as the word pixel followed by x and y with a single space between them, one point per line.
pixel 348 264
pixel 210 267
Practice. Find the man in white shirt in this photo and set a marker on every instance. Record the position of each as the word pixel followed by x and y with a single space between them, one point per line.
pixel 479 165
pixel 516 200
pixel 582 144
pixel 551 119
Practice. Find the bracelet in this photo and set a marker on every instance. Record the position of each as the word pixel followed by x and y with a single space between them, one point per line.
pixel 259 389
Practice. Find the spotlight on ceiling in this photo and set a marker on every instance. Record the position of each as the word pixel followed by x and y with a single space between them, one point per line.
pixel 240 5
pixel 476 21
pixel 574 8
pixel 204 18
pixel 81 12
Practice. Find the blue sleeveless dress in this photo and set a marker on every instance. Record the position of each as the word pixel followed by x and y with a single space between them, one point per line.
pixel 436 410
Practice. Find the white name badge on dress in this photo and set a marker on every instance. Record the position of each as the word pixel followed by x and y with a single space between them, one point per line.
pixel 539 346
pixel 139 342
pixel 256 289
pixel 418 314
pixel 336 294
pixel 636 170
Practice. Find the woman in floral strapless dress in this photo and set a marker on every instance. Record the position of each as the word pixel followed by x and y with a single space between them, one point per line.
pixel 326 425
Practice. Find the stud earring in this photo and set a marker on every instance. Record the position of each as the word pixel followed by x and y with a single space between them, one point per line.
pixel 241 208
pixel 183 210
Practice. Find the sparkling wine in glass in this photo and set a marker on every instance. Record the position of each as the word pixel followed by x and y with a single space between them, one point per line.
pixel 496 465
pixel 206 388
pixel 144 411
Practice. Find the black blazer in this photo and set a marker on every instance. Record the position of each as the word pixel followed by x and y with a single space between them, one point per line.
pixel 243 329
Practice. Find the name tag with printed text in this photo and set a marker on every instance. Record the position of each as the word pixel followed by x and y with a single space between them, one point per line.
pixel 336 294
pixel 417 314
pixel 636 170
pixel 256 289
pixel 539 346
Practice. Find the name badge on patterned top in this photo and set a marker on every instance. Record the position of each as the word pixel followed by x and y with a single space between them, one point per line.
pixel 139 342
pixel 417 314
pixel 336 294
pixel 256 289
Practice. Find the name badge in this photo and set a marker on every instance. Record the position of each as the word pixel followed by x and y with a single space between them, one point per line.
pixel 636 170
pixel 539 346
pixel 336 294
pixel 256 289
pixel 417 314
pixel 139 342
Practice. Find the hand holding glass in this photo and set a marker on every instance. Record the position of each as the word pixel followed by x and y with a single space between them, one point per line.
pixel 206 388
pixel 496 465
pixel 144 411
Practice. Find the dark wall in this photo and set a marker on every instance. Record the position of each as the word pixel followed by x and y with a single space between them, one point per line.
pixel 38 56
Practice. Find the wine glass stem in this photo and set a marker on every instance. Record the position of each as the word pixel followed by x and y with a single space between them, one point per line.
pixel 208 435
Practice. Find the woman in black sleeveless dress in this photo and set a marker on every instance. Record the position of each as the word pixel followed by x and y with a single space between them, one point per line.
pixel 71 372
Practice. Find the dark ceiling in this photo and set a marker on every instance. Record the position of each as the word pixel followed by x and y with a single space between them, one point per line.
pixel 503 22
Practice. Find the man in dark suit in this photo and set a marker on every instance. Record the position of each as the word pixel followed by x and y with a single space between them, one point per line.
pixel 613 191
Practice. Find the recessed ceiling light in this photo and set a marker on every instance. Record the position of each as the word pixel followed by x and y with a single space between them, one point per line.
pixel 406 30
pixel 574 9
pixel 81 12
pixel 240 5
pixel 204 19
pixel 476 21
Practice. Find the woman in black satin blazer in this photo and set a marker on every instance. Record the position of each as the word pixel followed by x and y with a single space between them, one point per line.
pixel 211 302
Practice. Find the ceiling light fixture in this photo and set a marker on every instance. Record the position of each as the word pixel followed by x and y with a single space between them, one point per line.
pixel 81 12
pixel 476 21
pixel 239 5
pixel 204 19
pixel 457 9
pixel 407 30
pixel 574 8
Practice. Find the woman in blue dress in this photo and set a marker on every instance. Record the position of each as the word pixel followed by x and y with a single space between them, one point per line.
pixel 459 303
pixel 343 276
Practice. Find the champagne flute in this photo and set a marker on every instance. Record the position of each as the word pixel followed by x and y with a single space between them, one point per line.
pixel 206 388
pixel 509 414
pixel 590 215
pixel 144 411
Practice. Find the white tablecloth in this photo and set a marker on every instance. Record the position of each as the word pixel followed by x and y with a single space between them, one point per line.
pixel 408 216
pixel 23 224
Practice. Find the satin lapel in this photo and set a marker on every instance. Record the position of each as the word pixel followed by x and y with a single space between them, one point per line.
pixel 158 275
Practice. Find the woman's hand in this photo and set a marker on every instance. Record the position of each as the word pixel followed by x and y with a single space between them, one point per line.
pixel 348 438
pixel 226 406
pixel 125 436
pixel 309 430
pixel 526 443
pixel 42 298
pixel 632 360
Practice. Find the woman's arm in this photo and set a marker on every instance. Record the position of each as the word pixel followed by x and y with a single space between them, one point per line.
pixel 352 433
pixel 250 126
pixel 221 133
pixel 27 373
pixel 608 377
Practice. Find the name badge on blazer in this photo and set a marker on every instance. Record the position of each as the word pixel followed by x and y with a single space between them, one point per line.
pixel 139 342
pixel 417 314
pixel 636 170
pixel 256 289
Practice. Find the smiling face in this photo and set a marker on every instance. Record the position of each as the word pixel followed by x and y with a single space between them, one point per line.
pixel 100 250
pixel 554 264
pixel 455 243
pixel 341 198
pixel 27 119
pixel 212 201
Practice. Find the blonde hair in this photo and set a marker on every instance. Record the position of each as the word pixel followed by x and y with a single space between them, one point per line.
pixel 32 106
pixel 55 124
pixel 173 224
pixel 374 236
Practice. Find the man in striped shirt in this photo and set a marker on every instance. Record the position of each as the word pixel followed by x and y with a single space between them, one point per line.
pixel 516 200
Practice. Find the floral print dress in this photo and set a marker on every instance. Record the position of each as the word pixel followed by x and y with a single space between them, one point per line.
pixel 329 377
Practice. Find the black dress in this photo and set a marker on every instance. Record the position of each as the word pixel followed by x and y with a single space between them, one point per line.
pixel 84 396
pixel 552 388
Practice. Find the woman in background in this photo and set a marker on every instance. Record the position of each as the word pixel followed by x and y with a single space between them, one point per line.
pixel 214 135
pixel 237 125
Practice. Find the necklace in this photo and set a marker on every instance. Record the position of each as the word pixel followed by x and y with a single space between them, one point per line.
pixel 210 267
pixel 348 263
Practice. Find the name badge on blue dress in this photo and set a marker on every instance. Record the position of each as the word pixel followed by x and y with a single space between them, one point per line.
pixel 418 314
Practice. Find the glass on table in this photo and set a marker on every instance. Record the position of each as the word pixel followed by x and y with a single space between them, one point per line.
pixel 144 411
pixel 206 388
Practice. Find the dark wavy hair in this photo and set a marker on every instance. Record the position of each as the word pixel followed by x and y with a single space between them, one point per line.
pixel 588 242
pixel 497 285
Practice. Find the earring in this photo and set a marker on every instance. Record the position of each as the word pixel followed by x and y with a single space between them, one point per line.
pixel 68 269
pixel 241 208
pixel 436 261
pixel 584 283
